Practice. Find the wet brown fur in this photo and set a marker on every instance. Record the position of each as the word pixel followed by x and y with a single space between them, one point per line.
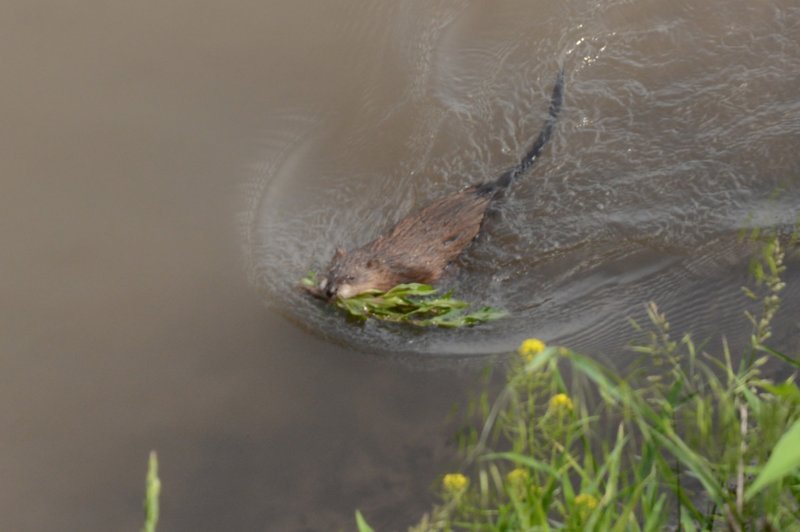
pixel 420 246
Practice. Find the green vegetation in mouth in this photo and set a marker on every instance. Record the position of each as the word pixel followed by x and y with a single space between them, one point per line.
pixel 412 303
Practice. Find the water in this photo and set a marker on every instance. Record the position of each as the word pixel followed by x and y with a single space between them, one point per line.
pixel 170 172
pixel 675 134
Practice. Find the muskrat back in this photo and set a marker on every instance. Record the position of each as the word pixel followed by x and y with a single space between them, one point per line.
pixel 419 247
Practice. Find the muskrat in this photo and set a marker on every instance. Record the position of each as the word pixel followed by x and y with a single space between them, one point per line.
pixel 418 248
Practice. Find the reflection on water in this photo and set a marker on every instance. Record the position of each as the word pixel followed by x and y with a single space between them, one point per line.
pixel 137 141
pixel 678 129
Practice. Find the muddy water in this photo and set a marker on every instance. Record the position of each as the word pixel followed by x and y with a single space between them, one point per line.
pixel 679 125
pixel 170 171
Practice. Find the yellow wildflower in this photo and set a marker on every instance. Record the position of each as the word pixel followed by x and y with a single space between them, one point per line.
pixel 455 482
pixel 530 348
pixel 561 401
pixel 518 476
pixel 585 503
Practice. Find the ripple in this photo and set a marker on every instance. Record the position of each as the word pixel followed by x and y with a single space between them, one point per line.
pixel 676 133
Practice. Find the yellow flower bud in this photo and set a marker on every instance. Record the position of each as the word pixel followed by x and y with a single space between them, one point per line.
pixel 561 401
pixel 455 482
pixel 585 503
pixel 530 348
pixel 518 476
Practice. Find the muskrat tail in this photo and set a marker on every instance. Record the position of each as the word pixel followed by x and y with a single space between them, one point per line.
pixel 509 176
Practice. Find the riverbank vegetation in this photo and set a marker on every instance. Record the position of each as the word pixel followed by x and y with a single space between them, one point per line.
pixel 152 490
pixel 689 438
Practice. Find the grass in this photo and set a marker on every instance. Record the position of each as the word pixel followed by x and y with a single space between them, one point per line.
pixel 414 304
pixel 686 440
pixel 152 492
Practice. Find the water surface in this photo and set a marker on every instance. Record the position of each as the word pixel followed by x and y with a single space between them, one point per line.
pixel 170 171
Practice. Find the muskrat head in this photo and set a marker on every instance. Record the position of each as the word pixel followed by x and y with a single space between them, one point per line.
pixel 350 274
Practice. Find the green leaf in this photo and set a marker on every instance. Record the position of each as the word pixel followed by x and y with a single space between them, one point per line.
pixel 784 460
pixel 362 523
pixel 695 462
pixel 153 489
pixel 654 520
pixel 525 460
pixel 310 280
pixel 415 304
pixel 778 354
pixel 787 391
pixel 687 523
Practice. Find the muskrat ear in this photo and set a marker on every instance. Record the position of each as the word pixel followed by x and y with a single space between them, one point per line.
pixel 339 253
pixel 372 263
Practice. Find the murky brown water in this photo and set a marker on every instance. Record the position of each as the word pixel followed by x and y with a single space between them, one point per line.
pixel 170 170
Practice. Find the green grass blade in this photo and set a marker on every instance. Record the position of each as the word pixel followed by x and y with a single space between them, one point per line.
pixel 654 520
pixel 786 358
pixel 361 523
pixel 783 461
pixel 694 462
pixel 627 517
pixel 687 524
pixel 525 460
pixel 786 391
pixel 152 490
